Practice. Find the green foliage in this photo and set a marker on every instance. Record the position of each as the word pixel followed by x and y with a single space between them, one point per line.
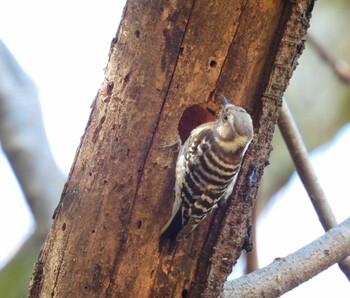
pixel 15 276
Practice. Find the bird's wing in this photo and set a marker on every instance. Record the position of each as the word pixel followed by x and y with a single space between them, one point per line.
pixel 199 210
pixel 188 157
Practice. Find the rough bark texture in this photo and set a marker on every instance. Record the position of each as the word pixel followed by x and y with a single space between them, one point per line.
pixel 167 56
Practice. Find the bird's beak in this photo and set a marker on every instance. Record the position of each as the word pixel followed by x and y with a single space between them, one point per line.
pixel 224 100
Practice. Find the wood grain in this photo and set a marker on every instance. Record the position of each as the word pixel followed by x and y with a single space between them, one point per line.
pixel 167 56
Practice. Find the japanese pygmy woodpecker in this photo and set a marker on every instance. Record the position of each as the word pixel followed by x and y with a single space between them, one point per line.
pixel 207 168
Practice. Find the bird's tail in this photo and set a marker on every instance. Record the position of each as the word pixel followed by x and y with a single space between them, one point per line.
pixel 171 229
pixel 188 228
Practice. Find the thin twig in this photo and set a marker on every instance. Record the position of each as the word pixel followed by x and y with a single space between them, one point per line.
pixel 340 67
pixel 307 174
pixel 284 274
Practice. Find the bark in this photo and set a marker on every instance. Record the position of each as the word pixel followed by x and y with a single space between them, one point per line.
pixel 168 63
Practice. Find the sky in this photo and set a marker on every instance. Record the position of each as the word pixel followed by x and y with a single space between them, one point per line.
pixel 64 46
pixel 283 224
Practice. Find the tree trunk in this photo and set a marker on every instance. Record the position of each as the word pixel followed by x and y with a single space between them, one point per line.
pixel 168 63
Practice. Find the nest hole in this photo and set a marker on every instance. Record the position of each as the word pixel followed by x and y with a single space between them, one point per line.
pixel 191 118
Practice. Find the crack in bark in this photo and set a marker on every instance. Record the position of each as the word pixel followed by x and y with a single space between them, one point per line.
pixel 243 6
pixel 144 159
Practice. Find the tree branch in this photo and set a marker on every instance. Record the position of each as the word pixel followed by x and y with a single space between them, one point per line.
pixel 24 141
pixel 340 67
pixel 284 274
pixel 307 174
pixel 122 184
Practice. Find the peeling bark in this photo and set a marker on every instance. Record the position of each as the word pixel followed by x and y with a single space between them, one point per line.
pixel 166 57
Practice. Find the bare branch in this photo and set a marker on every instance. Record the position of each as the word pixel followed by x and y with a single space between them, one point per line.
pixel 340 67
pixel 284 274
pixel 24 141
pixel 307 174
pixel 304 167
pixel 252 257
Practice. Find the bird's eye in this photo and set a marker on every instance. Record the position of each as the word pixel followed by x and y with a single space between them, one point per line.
pixel 225 118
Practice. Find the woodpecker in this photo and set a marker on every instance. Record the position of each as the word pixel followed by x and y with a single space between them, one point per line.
pixel 207 168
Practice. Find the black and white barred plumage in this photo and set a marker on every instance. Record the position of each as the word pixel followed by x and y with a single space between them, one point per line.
pixel 207 168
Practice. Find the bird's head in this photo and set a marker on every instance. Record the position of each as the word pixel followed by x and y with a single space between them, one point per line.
pixel 234 122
